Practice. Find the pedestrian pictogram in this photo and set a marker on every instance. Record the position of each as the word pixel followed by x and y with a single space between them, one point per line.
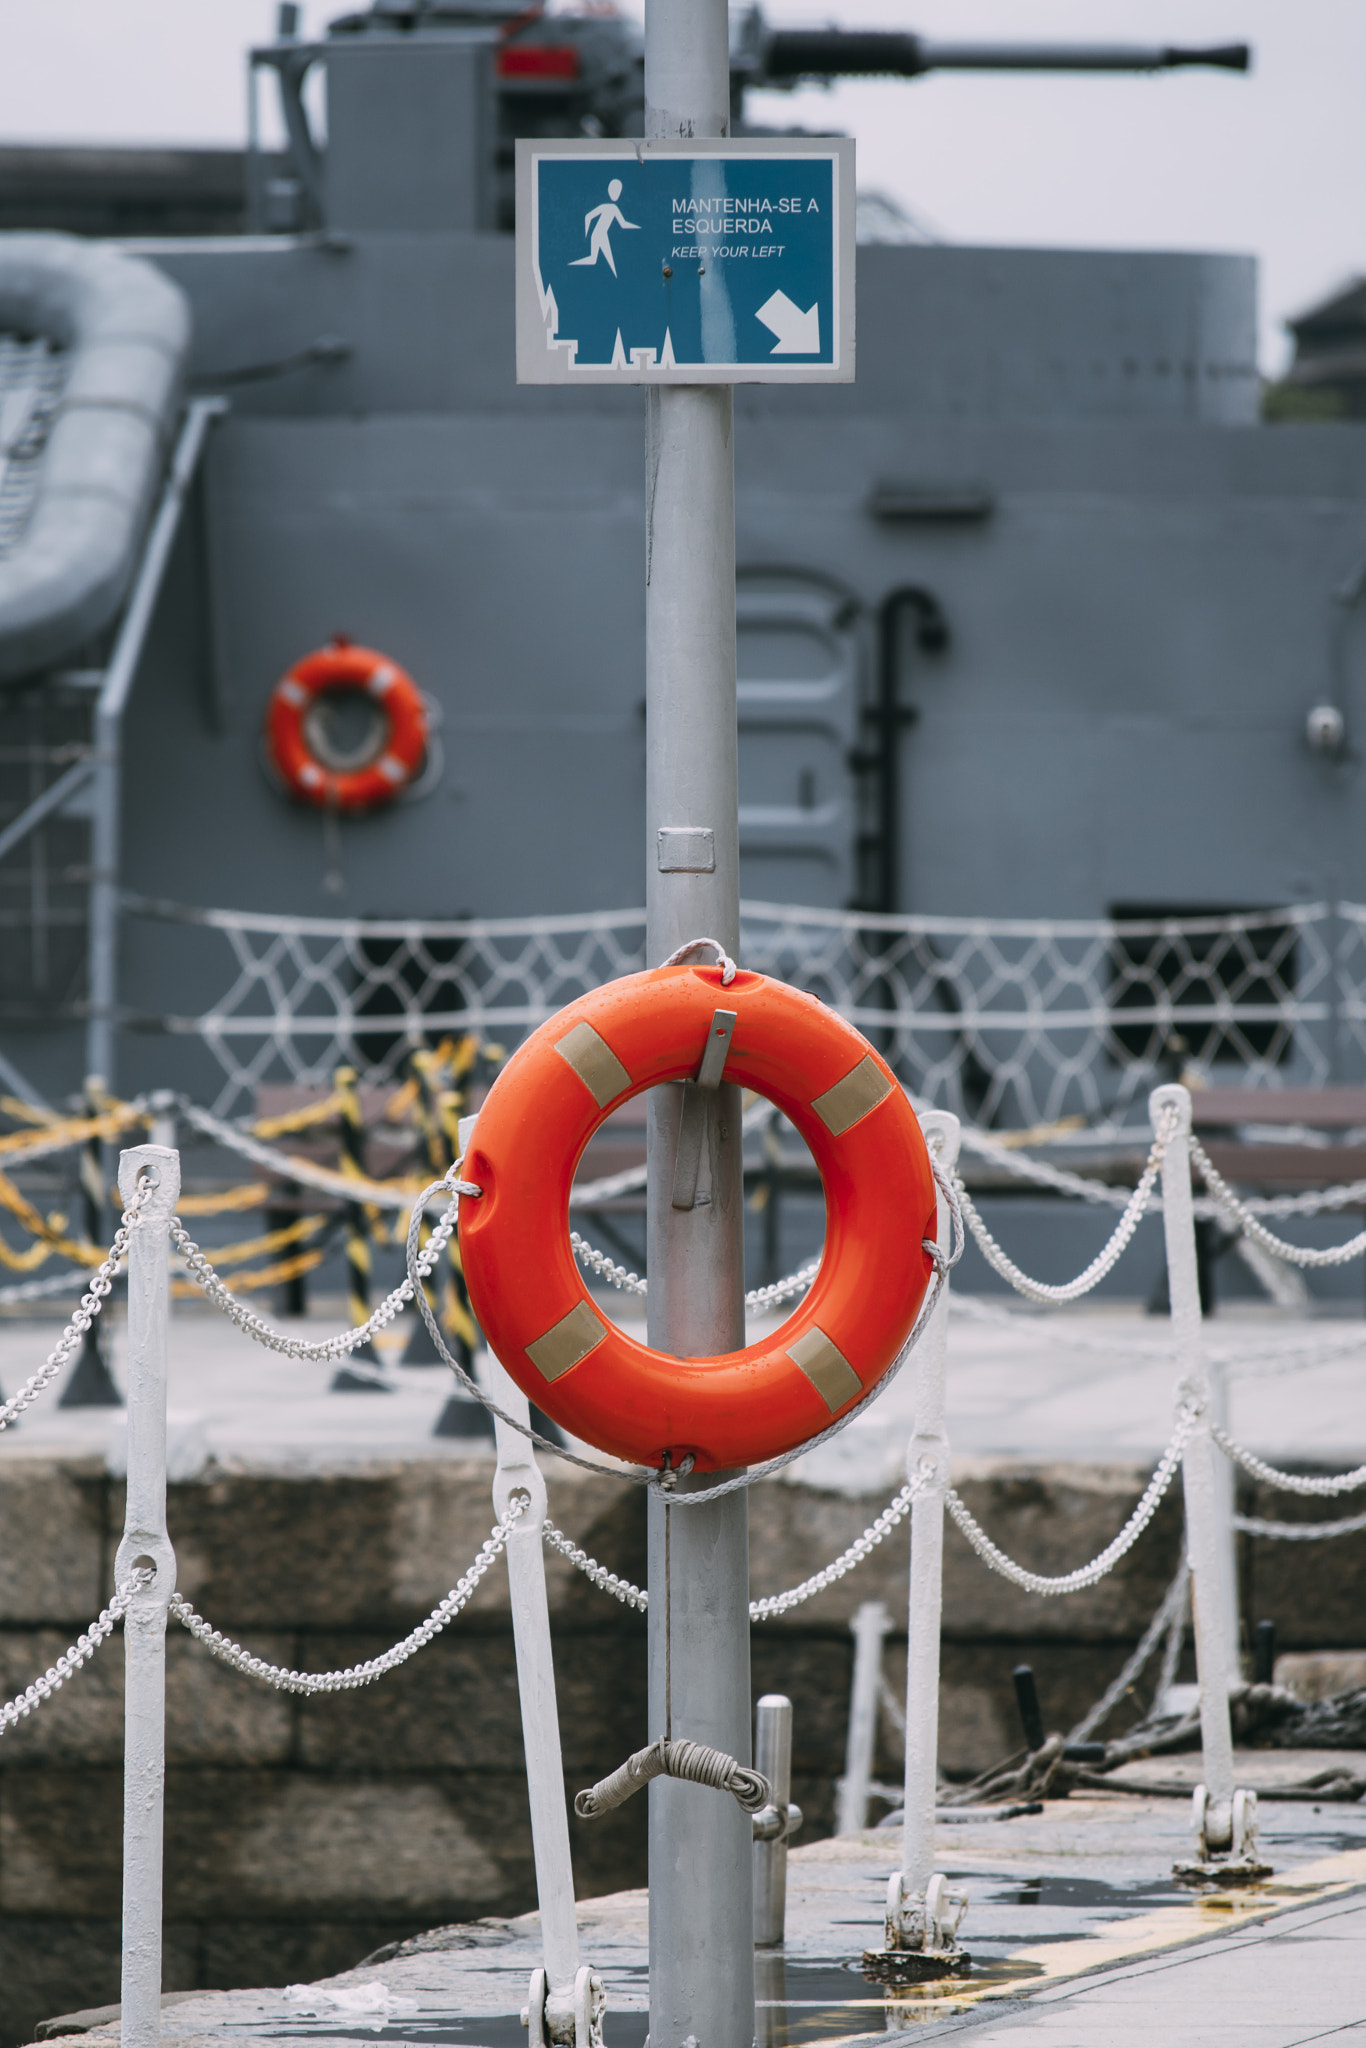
pixel 719 262
pixel 599 224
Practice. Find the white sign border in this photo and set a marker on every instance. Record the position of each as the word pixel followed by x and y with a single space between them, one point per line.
pixel 543 362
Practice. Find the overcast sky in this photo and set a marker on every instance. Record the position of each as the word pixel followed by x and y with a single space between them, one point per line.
pixel 1274 163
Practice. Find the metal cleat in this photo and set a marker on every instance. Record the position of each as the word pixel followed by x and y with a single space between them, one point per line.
pixel 921 1934
pixel 1226 1848
pixel 569 2017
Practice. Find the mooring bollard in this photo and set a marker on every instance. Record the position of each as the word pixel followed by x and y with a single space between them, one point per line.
pixel 1224 1818
pixel 566 2000
pixel 922 1914
pixel 773 1825
pixel 145 1565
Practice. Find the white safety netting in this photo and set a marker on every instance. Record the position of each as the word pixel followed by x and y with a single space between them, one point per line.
pixel 1005 1021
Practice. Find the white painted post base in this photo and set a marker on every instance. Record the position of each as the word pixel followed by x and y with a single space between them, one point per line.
pixel 923 1914
pixel 1225 1818
pixel 565 2001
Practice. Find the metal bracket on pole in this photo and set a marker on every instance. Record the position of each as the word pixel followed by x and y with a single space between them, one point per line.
pixel 774 1825
pixel 692 1123
pixel 145 1563
pixel 1225 1838
pixel 923 1914
pixel 566 2001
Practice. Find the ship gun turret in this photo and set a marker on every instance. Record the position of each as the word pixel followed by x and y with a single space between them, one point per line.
pixel 498 70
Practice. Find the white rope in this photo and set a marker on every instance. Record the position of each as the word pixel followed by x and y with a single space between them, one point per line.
pixel 66 1666
pixel 1240 1212
pixel 723 959
pixel 1298 1532
pixel 43 1148
pixel 355 1675
pixel 1105 1259
pixel 1289 1482
pixel 1087 1574
pixel 1172 1604
pixel 622 1278
pixel 323 1349
pixel 772 1603
pixel 287 1166
pixel 92 1301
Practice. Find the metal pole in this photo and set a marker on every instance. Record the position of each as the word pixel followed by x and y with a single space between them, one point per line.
pixel 927 1456
pixel 701 1883
pixel 870 1624
pixel 1199 1476
pixel 145 1554
pixel 773 1756
pixel 552 2006
pixel 106 799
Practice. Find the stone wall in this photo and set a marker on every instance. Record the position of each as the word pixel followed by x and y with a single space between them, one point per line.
pixel 301 1834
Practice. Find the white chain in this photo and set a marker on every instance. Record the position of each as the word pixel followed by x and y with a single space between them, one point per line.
pixel 92 1301
pixel 355 1675
pixel 862 1546
pixel 1289 1482
pixel 327 1348
pixel 67 1665
pixel 1298 1532
pixel 598 1262
pixel 622 1277
pixel 1253 1227
pixel 1086 1574
pixel 605 1581
pixel 773 1603
pixel 1105 1259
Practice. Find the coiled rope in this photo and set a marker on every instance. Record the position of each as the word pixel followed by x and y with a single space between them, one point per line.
pixel 675 1759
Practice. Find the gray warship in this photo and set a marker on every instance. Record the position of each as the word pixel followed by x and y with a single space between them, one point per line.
pixel 1047 636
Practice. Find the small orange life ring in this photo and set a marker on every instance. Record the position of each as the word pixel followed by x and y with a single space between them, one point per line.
pixel 527 1292
pixel 310 764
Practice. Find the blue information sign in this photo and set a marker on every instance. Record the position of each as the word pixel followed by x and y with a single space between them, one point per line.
pixel 715 262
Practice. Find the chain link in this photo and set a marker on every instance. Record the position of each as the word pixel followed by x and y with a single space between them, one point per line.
pixel 773 1603
pixel 758 1298
pixel 1252 1226
pixel 1298 1532
pixel 261 1332
pixel 1087 1574
pixel 67 1665
pixel 1105 1259
pixel 355 1675
pixel 1289 1482
pixel 92 1301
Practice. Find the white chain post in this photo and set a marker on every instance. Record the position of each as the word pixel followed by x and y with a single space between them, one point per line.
pixel 145 1566
pixel 1225 1820
pixel 870 1624
pixel 922 1914
pixel 774 1825
pixel 566 2001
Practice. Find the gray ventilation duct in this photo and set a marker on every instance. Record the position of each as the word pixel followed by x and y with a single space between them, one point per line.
pixel 92 351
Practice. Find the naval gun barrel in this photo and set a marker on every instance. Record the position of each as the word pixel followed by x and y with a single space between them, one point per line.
pixel 792 54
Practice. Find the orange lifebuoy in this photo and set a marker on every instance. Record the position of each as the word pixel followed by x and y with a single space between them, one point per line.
pixel 297 743
pixel 526 1290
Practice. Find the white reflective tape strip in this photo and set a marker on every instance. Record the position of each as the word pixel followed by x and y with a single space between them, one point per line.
pixel 311 776
pixel 567 1342
pixel 851 1099
pixel 382 681
pixel 827 1368
pixel 293 693
pixel 392 769
pixel 595 1063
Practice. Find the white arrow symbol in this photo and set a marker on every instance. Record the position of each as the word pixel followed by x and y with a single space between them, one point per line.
pixel 799 334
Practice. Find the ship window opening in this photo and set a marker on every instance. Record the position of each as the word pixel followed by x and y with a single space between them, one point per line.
pixel 1212 985
pixel 345 730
